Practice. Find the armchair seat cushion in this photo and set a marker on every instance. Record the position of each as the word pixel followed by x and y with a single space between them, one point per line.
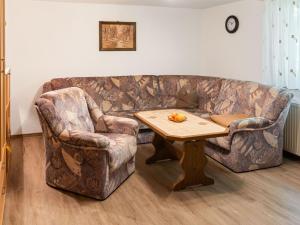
pixel 122 148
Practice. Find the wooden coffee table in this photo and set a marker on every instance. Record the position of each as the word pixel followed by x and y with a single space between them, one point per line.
pixel 182 141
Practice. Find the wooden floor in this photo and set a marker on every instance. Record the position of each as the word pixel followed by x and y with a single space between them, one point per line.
pixel 263 197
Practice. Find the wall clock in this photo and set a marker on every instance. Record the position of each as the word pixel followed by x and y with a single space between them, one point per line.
pixel 232 24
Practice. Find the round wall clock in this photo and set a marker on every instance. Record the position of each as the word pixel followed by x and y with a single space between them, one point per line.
pixel 232 24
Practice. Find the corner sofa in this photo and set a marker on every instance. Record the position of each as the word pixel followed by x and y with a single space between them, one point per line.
pixel 252 143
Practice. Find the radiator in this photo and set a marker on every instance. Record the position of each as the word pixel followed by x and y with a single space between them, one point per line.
pixel 292 130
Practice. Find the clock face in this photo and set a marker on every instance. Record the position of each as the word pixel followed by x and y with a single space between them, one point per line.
pixel 232 24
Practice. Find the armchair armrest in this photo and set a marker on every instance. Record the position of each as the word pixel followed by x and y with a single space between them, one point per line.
pixel 121 125
pixel 84 139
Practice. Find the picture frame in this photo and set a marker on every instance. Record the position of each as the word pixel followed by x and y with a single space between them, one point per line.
pixel 117 36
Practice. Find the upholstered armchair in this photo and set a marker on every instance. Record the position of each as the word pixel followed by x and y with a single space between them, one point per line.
pixel 87 152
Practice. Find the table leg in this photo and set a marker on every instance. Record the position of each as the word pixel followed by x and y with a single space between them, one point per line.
pixel 193 162
pixel 161 150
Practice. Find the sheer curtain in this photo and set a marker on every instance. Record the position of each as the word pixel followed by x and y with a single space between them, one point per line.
pixel 282 43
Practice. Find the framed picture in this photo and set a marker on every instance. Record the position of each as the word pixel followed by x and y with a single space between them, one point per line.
pixel 117 36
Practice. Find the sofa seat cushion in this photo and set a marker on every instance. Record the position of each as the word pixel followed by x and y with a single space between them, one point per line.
pixel 122 148
pixel 226 120
pixel 223 142
pixel 198 112
pixel 129 114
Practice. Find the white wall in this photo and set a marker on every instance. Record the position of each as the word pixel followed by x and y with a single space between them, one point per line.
pixel 55 39
pixel 238 55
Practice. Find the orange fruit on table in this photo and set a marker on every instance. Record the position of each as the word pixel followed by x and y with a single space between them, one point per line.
pixel 177 117
pixel 180 117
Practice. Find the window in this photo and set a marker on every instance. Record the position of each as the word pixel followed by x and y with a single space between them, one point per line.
pixel 282 43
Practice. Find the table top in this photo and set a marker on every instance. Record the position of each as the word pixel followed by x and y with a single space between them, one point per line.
pixel 194 128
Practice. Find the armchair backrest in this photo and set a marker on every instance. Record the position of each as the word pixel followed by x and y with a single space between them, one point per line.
pixel 71 105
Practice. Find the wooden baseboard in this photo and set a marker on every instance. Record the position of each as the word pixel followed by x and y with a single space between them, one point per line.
pixel 25 135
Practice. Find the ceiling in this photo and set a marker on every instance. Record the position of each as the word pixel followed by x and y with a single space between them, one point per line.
pixel 195 4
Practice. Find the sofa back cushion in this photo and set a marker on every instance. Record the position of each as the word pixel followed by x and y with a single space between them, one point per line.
pixel 118 93
pixel 71 106
pixel 189 92
pixel 250 98
pixel 209 94
pixel 178 91
pixel 147 91
pixel 208 89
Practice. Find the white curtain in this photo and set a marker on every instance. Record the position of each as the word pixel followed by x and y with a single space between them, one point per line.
pixel 282 43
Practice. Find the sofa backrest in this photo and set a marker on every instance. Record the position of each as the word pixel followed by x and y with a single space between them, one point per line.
pixel 208 94
pixel 250 98
pixel 118 93
pixel 189 92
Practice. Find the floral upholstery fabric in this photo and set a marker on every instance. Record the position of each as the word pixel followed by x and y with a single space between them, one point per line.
pixel 203 96
pixel 84 139
pixel 114 94
pixel 78 158
pixel 71 107
pixel 122 148
pixel 208 89
pixel 250 98
pixel 200 113
pixel 252 148
pixel 47 87
pixel 121 125
pixel 147 93
pixel 189 92
pixel 129 114
pixel 178 92
pixel 238 126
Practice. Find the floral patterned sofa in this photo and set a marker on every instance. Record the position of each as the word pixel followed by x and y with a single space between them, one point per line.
pixel 253 143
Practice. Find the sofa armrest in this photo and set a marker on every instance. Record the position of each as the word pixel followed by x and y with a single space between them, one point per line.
pixel 84 139
pixel 250 123
pixel 120 125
